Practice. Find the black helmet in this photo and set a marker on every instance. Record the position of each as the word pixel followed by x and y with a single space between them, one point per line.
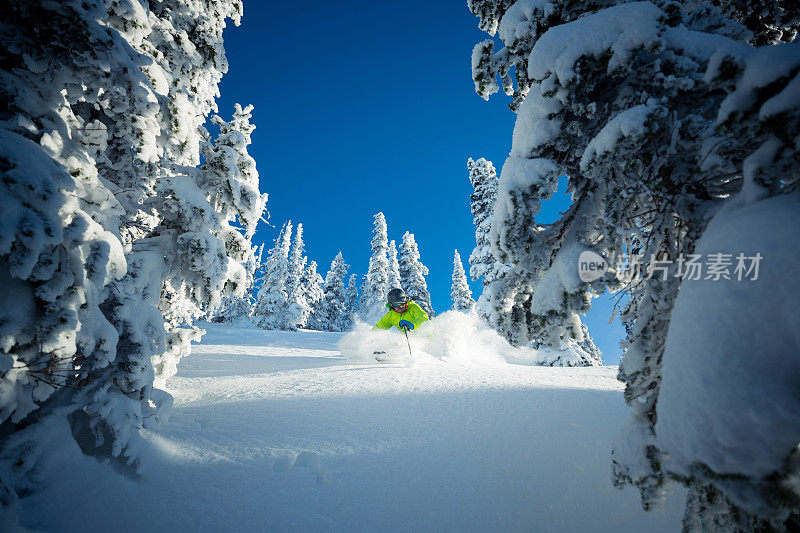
pixel 397 297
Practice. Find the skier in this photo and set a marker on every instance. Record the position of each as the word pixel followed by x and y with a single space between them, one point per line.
pixel 404 313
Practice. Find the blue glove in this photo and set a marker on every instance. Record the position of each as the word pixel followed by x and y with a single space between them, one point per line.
pixel 406 325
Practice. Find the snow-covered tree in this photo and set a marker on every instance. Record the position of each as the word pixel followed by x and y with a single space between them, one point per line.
pixel 229 174
pixel 483 178
pixel 60 250
pixel 460 291
pixel 112 238
pixel 237 307
pixel 413 272
pixel 230 180
pixel 769 21
pixel 297 309
pixel 394 268
pixel 190 255
pixel 351 305
pixel 487 64
pixel 493 305
pixel 272 301
pixel 507 299
pixel 311 286
pixel 658 115
pixel 297 262
pixel 333 307
pixel 375 288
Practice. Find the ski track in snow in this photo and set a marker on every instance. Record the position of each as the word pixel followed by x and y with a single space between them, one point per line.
pixel 275 431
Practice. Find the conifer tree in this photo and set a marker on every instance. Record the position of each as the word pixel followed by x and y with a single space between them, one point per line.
pixel 313 294
pixel 230 180
pixel 394 268
pixel 272 301
pixel 769 21
pixel 508 302
pixel 493 305
pixel 351 305
pixel 375 288
pixel 659 114
pixel 413 272
pixel 229 175
pixel 460 291
pixel 237 307
pixel 113 240
pixel 333 308
pixel 297 263
pixel 297 308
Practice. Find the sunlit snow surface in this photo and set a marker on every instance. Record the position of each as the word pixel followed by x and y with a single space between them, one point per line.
pixel 276 431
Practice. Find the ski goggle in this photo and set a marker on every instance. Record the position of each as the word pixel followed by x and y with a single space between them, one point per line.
pixel 401 307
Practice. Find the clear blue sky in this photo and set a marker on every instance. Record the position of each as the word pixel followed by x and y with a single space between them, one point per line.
pixel 363 107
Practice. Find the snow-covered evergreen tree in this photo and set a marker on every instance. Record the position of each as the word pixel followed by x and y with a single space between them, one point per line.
pixel 60 250
pixel 112 239
pixel 393 281
pixel 311 286
pixel 507 301
pixel 332 310
pixel 229 174
pixel 189 254
pixel 769 21
pixel 298 309
pixel 237 307
pixel 297 262
pixel 460 291
pixel 492 305
pixel 375 288
pixel 195 239
pixel 487 64
pixel 658 115
pixel 230 180
pixel 483 178
pixel 413 272
pixel 272 301
pixel 351 305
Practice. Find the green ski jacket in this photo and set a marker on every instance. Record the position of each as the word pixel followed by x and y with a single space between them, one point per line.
pixel 414 314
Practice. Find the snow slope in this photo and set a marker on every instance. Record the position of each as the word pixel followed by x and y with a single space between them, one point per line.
pixel 276 431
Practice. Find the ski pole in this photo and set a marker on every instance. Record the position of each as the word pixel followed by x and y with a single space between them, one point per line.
pixel 408 342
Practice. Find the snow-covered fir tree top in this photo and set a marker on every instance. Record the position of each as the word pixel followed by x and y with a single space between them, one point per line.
pixel 460 293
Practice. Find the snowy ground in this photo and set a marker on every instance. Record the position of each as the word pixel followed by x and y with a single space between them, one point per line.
pixel 276 431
